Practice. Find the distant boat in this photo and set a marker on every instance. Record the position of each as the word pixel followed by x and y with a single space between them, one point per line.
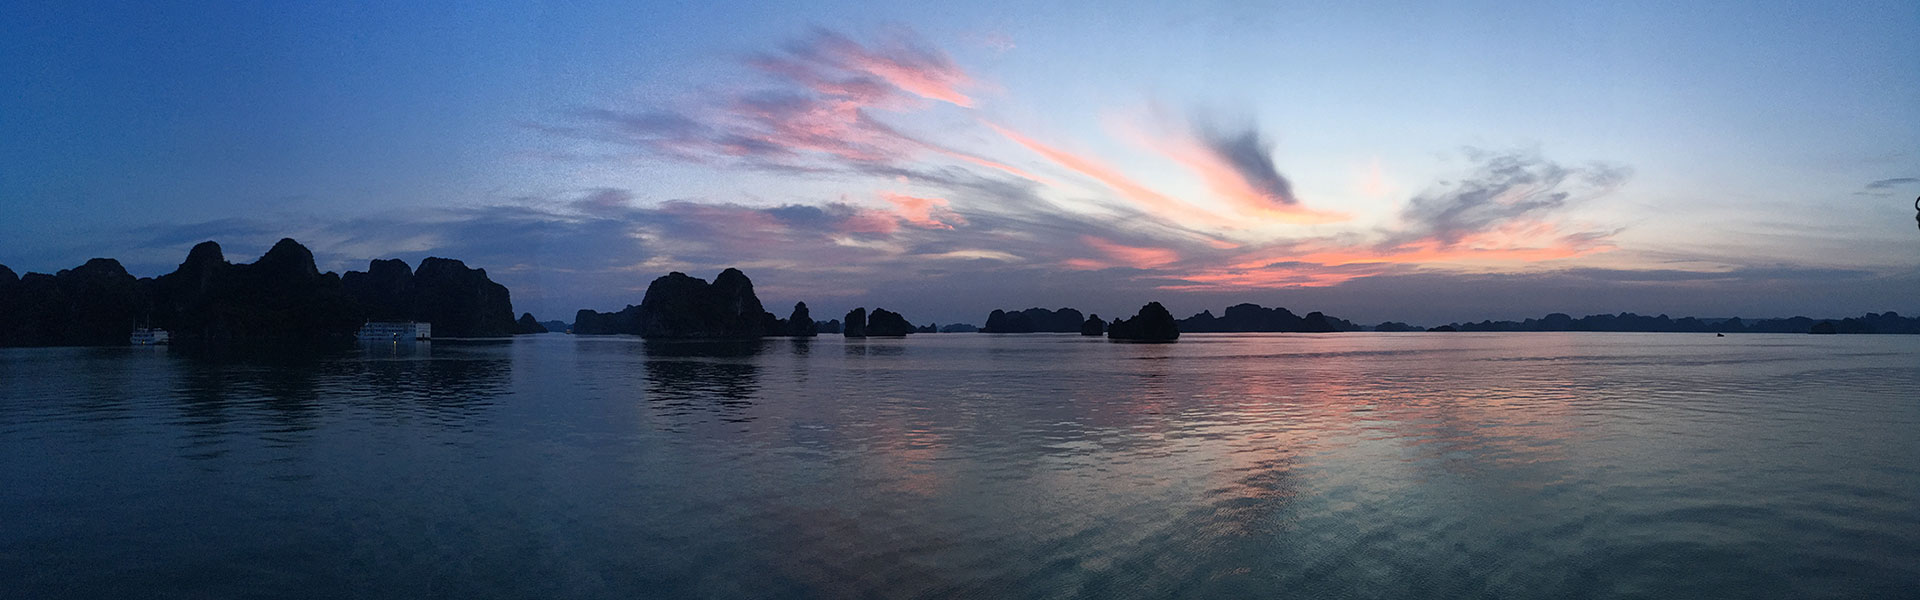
pixel 146 336
pixel 394 331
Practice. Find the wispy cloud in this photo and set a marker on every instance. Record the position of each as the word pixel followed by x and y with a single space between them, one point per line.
pixel 1505 188
pixel 1114 254
pixel 817 112
pixel 1145 198
pixel 930 213
pixel 900 60
pixel 825 107
pixel 1504 211
pixel 1887 187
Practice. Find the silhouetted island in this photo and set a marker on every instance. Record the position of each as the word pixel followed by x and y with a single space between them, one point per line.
pixel 800 322
pixel 457 300
pixel 959 328
pixel 1152 324
pixel 282 297
pixel 855 325
pixel 1034 320
pixel 1251 318
pixel 1093 326
pixel 881 323
pixel 1888 322
pixel 528 325
pixel 94 304
pixel 886 323
pixel 678 306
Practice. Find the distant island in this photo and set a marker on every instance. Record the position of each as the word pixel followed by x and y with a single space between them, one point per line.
pixel 1887 322
pixel 282 297
pixel 1253 318
pixel 1152 324
pixel 1239 318
pixel 1034 320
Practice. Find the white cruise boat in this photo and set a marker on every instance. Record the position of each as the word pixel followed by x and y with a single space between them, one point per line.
pixel 147 336
pixel 394 331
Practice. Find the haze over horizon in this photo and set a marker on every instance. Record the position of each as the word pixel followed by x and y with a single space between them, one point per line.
pixel 1430 165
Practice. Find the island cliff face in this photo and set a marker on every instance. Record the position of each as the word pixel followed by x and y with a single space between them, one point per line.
pixel 677 306
pixel 856 323
pixel 886 323
pixel 458 301
pixel 880 323
pixel 800 323
pixel 1093 326
pixel 1034 320
pixel 528 325
pixel 282 297
pixel 90 305
pixel 1255 318
pixel 1152 324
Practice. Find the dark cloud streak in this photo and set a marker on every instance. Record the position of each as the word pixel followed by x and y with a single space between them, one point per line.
pixel 1250 154
pixel 1505 188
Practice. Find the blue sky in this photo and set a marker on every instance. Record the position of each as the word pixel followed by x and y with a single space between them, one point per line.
pixel 1416 162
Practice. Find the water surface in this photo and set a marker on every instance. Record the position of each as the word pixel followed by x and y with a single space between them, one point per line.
pixel 1543 465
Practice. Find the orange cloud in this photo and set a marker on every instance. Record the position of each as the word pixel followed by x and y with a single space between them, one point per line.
pixel 1153 202
pixel 870 221
pixel 1132 256
pixel 1267 277
pixel 1519 241
pixel 935 84
pixel 989 163
pixel 902 63
pixel 1325 264
pixel 1232 186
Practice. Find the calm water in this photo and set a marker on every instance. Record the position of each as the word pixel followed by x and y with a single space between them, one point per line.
pixel 1039 466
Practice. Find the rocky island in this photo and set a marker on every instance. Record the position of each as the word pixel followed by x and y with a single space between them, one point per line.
pixel 886 323
pixel 458 301
pixel 281 298
pixel 528 325
pixel 1093 326
pixel 678 306
pixel 1152 324
pixel 882 323
pixel 1253 318
pixel 1034 320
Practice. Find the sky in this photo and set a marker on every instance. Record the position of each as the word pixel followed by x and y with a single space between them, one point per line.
pixel 1416 162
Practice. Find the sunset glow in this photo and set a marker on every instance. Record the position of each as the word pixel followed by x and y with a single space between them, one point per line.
pixel 911 153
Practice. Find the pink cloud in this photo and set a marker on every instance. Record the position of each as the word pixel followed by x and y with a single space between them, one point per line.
pixel 926 213
pixel 1267 277
pixel 869 221
pixel 1232 185
pixel 900 62
pixel 1152 202
pixel 1138 257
